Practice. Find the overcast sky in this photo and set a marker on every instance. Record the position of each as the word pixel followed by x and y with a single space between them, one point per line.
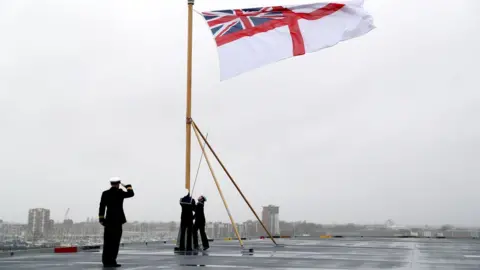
pixel 385 126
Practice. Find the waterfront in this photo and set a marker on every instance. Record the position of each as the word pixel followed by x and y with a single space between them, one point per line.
pixel 90 232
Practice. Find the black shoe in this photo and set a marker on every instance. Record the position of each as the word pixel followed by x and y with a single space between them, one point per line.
pixel 205 249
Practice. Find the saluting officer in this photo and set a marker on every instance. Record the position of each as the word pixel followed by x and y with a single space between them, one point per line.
pixel 186 222
pixel 112 199
pixel 200 224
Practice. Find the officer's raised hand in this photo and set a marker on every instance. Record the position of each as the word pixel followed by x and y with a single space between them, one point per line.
pixel 129 191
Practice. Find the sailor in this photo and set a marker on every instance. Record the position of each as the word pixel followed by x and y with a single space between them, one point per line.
pixel 200 224
pixel 112 199
pixel 186 222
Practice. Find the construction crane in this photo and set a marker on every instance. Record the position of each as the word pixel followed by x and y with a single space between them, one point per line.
pixel 66 214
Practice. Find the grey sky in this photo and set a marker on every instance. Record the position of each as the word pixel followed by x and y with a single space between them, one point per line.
pixel 383 126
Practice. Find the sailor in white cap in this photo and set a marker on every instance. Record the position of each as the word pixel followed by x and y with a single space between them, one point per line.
pixel 112 200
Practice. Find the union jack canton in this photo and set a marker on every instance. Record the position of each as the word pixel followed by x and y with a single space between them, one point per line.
pixel 225 24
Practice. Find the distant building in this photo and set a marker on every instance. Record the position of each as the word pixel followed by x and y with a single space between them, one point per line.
pixel 270 219
pixel 39 222
pixel 51 227
pixel 253 229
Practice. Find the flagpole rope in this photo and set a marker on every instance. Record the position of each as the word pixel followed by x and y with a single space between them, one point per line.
pixel 198 168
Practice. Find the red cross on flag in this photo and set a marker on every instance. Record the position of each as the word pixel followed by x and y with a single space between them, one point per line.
pixel 252 37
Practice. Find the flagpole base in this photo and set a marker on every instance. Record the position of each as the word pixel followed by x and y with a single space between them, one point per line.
pixel 247 251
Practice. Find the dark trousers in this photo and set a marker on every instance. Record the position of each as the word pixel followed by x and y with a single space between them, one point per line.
pixel 203 235
pixel 111 243
pixel 186 227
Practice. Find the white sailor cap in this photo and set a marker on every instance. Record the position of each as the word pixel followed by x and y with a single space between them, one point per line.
pixel 115 180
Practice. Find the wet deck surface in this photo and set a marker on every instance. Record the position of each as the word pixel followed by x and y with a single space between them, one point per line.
pixel 296 254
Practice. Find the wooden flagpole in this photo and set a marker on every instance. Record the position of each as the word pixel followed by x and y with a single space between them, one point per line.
pixel 195 127
pixel 218 187
pixel 189 103
pixel 189 96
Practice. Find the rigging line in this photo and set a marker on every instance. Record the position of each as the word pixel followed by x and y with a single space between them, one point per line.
pixel 198 168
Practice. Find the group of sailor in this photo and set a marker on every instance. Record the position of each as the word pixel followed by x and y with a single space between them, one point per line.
pixel 112 217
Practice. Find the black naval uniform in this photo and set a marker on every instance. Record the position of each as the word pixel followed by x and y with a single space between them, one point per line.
pixel 186 222
pixel 200 226
pixel 112 199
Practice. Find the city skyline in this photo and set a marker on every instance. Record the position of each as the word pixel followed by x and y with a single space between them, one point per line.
pixel 91 231
pixel 93 218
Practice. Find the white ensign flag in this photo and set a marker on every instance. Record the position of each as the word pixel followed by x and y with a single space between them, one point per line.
pixel 252 37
